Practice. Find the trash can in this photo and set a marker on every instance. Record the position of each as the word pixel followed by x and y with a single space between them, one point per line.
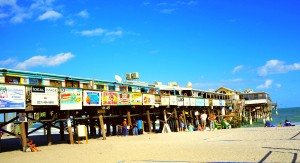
pixel 140 126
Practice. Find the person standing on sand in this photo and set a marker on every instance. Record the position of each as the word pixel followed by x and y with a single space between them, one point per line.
pixel 203 120
pixel 211 119
pixel 181 124
pixel 125 127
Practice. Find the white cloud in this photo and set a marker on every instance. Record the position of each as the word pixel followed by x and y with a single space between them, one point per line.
pixel 237 68
pixel 93 32
pixel 278 85
pixel 277 67
pixel 7 62
pixel 70 22
pixel 3 15
pixel 107 35
pixel 266 85
pixel 44 61
pixel 7 2
pixel 51 15
pixel 83 14
pixel 20 17
pixel 168 11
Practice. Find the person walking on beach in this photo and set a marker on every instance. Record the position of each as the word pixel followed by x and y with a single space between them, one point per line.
pixel 125 127
pixel 203 120
pixel 211 119
pixel 134 126
pixel 181 124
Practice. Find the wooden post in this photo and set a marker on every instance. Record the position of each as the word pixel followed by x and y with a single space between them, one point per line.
pixel 177 123
pixel 102 126
pixel 70 128
pixel 61 130
pixel 49 138
pixel 192 117
pixel 129 122
pixel 184 118
pixel 23 136
pixel 149 121
pixel 165 116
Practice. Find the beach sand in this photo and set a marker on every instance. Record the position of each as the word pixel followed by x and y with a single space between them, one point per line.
pixel 276 144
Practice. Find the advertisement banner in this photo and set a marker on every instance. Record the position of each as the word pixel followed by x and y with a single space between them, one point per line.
pixel 164 100
pixel 216 103
pixel 110 98
pixel 173 100
pixel 91 98
pixel 12 97
pixel 136 98
pixel 200 102
pixel 70 99
pixel 223 103
pixel 124 98
pixel 180 101
pixel 206 102
pixel 186 101
pixel 44 95
pixel 148 99
pixel 192 102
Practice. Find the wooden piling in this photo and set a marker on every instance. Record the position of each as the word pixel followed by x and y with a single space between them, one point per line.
pixel 129 122
pixel 61 130
pixel 149 120
pixel 23 136
pixel 70 128
pixel 49 136
pixel 177 123
pixel 102 126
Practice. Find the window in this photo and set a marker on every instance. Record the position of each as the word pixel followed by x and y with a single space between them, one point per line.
pixel 129 89
pixel 123 88
pixel 223 92
pixel 144 90
pixel 35 81
pixel 100 87
pixel 55 83
pixel 12 80
pixel 111 88
pixel 70 83
pixel 85 86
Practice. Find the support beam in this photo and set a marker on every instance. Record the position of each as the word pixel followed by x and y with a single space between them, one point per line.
pixel 49 136
pixel 149 120
pixel 61 130
pixel 102 126
pixel 23 136
pixel 69 123
pixel 176 117
pixel 129 122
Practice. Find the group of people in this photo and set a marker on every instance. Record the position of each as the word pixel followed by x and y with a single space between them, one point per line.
pixel 200 125
pixel 125 127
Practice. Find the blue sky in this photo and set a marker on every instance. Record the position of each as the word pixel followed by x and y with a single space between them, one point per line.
pixel 237 44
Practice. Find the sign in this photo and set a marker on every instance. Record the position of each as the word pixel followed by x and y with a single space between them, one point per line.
pixel 148 99
pixel 44 95
pixel 165 100
pixel 124 98
pixel 180 101
pixel 136 98
pixel 70 99
pixel 91 98
pixel 200 102
pixel 173 100
pixel 206 102
pixel 12 97
pixel 192 102
pixel 186 101
pixel 109 98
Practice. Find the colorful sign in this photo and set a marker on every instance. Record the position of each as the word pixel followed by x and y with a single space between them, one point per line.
pixel 110 98
pixel 192 102
pixel 148 99
pixel 70 99
pixel 136 98
pixel 180 101
pixel 186 101
pixel 164 100
pixel 124 98
pixel 173 100
pixel 12 97
pixel 200 102
pixel 44 95
pixel 206 102
pixel 91 98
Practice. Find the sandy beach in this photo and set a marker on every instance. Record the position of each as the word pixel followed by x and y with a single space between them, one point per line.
pixel 276 144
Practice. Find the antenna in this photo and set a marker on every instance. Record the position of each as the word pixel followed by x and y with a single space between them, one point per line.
pixel 118 78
